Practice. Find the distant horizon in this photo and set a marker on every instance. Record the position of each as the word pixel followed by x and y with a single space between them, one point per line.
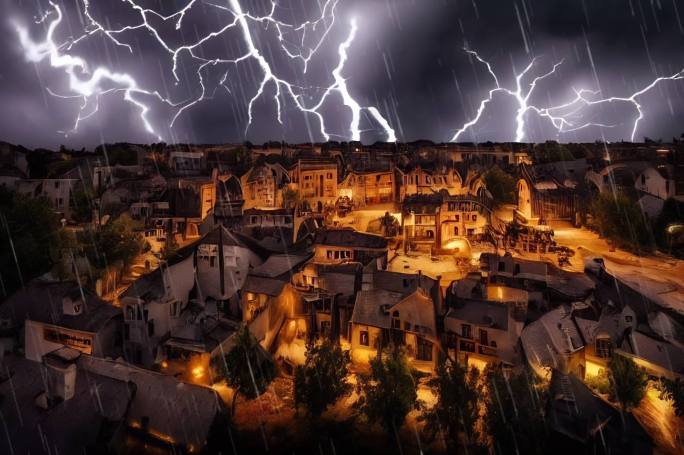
pixel 370 144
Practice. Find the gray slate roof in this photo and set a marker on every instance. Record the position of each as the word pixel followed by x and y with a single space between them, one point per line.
pixel 482 313
pixel 368 307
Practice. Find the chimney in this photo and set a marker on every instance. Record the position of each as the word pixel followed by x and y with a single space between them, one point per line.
pixel 71 306
pixel 60 368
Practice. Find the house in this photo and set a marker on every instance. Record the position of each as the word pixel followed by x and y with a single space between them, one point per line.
pixel 58 191
pixel 461 217
pixel 268 297
pixel 58 314
pixel 582 422
pixel 316 181
pixel 420 221
pixel 220 276
pixel 336 246
pixel 186 162
pixel 543 280
pixel 262 186
pixel 191 201
pixel 479 332
pixel 158 304
pixel 547 192
pixel 381 318
pixel 229 198
pixel 369 187
pixel 152 306
pixel 274 229
pixel 179 416
pixel 75 410
pixel 554 341
pixel 444 222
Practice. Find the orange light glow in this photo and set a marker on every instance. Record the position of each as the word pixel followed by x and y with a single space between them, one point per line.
pixel 198 372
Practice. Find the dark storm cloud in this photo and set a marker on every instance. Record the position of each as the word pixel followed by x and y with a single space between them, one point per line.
pixel 407 60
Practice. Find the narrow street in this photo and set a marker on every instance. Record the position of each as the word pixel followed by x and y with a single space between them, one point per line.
pixel 659 278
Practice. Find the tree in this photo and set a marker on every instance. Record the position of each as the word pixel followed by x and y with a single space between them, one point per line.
pixel 247 368
pixel 389 392
pixel 514 419
pixel 389 225
pixel 628 382
pixel 322 380
pixel 672 390
pixel 619 218
pixel 456 411
pixel 82 205
pixel 28 236
pixel 116 240
pixel 501 185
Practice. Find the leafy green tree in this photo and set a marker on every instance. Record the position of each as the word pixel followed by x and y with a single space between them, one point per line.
pixel 247 368
pixel 116 240
pixel 389 392
pixel 457 409
pixel 322 380
pixel 514 412
pixel 620 219
pixel 501 185
pixel 628 381
pixel 28 236
pixel 672 390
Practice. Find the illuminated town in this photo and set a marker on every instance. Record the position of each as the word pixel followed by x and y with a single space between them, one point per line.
pixel 218 298
pixel 341 227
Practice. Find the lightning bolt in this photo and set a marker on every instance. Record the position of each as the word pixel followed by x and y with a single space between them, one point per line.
pixel 565 117
pixel 90 87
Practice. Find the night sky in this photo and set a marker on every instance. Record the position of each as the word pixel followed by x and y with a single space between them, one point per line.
pixel 407 60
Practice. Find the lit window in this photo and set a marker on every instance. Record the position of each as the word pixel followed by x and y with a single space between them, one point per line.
pixel 363 338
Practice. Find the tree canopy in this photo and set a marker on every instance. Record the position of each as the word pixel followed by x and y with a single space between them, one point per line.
pixel 501 185
pixel 628 381
pixel 389 392
pixel 619 218
pixel 456 411
pixel 114 241
pixel 28 235
pixel 322 380
pixel 247 368
pixel 514 412
pixel 672 390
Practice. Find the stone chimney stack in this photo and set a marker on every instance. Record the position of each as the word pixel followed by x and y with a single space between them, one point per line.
pixel 60 368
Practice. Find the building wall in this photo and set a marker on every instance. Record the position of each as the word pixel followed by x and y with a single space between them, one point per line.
pixel 36 345
pixel 368 188
pixel 652 182
pixel 363 354
pixel 316 185
pixel 236 266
